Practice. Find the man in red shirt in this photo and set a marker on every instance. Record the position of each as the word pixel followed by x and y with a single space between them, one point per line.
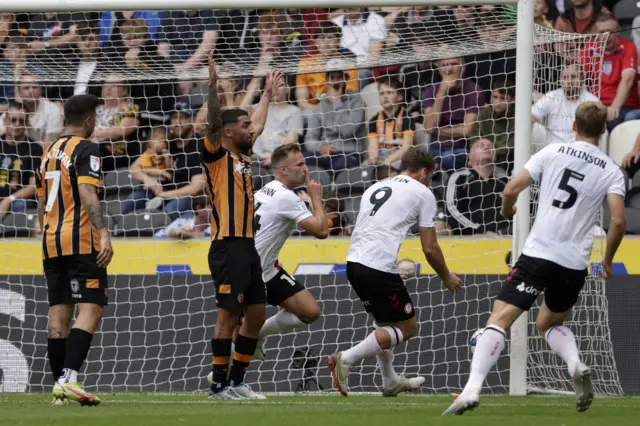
pixel 619 87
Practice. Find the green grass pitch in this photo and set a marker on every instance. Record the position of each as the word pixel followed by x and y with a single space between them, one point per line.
pixel 131 409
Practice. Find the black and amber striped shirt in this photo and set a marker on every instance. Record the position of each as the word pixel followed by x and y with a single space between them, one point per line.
pixel 67 163
pixel 230 191
pixel 389 131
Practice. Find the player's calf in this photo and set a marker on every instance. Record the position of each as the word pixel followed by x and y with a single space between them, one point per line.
pixel 245 346
pixel 59 319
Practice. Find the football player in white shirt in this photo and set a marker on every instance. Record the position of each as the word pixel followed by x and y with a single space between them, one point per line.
pixel 574 180
pixel 277 211
pixel 387 212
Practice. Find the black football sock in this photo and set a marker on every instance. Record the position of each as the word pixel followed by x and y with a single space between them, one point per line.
pixel 221 349
pixel 245 347
pixel 78 344
pixel 56 350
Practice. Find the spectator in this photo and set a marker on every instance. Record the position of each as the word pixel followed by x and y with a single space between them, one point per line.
pixel 473 196
pixel 540 14
pixel 152 168
pixel 337 128
pixel 496 122
pixel 116 122
pixel 190 36
pixel 391 132
pixel 557 109
pixel 139 50
pixel 111 24
pixel 53 32
pixel 283 126
pixel 631 161
pixel 382 172
pixel 618 76
pixel 12 66
pixel 581 17
pixel 237 34
pixel 187 180
pixel 311 87
pixel 450 109
pixel 364 33
pixel 88 70
pixel 45 117
pixel 416 23
pixel 635 32
pixel 19 158
pixel 337 220
pixel 196 225
pixel 273 47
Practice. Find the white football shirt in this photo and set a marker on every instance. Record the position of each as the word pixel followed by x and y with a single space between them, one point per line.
pixel 277 210
pixel 388 210
pixel 574 180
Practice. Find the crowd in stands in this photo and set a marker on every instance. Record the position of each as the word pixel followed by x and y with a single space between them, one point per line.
pixel 353 117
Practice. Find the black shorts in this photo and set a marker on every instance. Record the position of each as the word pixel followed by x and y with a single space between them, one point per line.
pixel 75 279
pixel 383 295
pixel 532 276
pixel 237 274
pixel 281 287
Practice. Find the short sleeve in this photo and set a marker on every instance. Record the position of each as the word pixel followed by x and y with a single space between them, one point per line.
pixel 39 187
pixel 292 207
pixel 212 151
pixel 373 130
pixel 376 27
pixel 540 109
pixel 617 185
pixel 408 127
pixel 630 58
pixel 88 164
pixel 428 209
pixel 536 164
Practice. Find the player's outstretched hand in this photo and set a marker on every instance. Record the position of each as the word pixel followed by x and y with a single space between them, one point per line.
pixel 607 270
pixel 314 189
pixel 213 77
pixel 106 251
pixel 453 283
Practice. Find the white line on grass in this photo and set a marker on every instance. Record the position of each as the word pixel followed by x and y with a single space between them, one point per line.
pixel 346 403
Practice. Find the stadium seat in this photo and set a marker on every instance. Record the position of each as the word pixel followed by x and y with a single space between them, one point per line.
pixel 354 181
pixel 633 199
pixel 622 138
pixel 19 224
pixel 322 176
pixel 626 10
pixel 143 224
pixel 118 182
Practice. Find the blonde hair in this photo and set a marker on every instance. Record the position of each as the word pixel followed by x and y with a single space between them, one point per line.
pixel 590 119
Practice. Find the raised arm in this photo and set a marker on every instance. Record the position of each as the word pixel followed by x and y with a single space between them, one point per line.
pixel 275 80
pixel 213 140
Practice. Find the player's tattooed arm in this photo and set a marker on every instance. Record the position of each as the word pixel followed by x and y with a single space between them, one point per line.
pixel 91 204
pixel 214 111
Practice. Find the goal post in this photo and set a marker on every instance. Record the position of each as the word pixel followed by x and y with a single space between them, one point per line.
pixel 157 329
pixel 524 90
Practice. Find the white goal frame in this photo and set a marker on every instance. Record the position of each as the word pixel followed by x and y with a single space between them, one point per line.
pixel 524 90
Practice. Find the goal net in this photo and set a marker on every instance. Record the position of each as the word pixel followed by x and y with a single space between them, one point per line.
pixel 362 86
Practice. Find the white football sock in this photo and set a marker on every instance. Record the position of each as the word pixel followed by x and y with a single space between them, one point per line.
pixel 68 376
pixel 487 352
pixel 368 347
pixel 562 341
pixel 281 322
pixel 385 364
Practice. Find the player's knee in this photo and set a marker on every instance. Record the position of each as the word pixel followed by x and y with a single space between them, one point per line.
pixel 58 330
pixel 409 329
pixel 310 314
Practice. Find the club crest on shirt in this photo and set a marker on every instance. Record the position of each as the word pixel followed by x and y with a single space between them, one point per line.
pixel 241 168
pixel 94 163
pixel 607 67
